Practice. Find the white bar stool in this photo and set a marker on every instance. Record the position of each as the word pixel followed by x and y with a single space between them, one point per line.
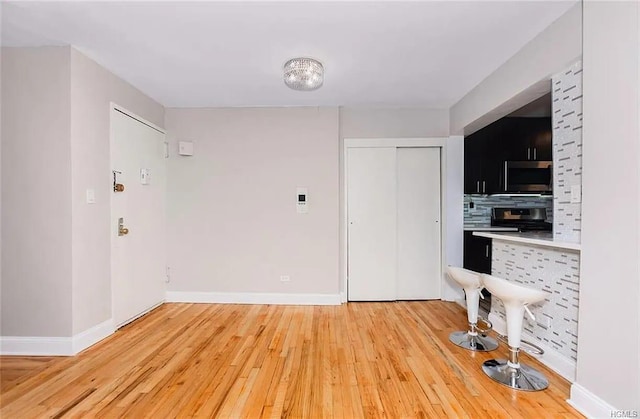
pixel 510 372
pixel 471 339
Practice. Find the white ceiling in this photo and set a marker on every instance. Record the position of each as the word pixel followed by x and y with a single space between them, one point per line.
pixel 207 54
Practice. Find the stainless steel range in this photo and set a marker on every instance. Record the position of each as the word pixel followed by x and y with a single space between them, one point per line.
pixel 524 219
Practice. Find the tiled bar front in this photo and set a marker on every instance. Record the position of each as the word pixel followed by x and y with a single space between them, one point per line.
pixel 556 271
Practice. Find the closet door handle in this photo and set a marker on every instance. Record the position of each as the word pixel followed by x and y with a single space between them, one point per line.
pixel 528 153
pixel 478 186
pixel 486 251
pixel 535 153
pixel 484 187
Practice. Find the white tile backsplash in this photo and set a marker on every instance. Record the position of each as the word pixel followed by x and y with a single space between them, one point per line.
pixel 480 214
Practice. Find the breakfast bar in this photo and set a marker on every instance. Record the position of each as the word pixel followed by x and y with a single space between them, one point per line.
pixel 536 260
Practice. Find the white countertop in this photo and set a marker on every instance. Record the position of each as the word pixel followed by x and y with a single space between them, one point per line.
pixel 537 238
pixel 471 227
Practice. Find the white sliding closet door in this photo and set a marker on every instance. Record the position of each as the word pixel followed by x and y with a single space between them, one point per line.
pixel 418 234
pixel 371 206
pixel 393 232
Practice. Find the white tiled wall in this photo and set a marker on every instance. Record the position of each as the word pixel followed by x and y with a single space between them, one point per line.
pixel 553 270
pixel 567 152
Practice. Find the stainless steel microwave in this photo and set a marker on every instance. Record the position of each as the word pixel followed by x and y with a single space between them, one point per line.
pixel 528 176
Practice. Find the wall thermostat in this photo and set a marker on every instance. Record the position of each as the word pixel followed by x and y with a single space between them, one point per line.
pixel 302 201
pixel 185 148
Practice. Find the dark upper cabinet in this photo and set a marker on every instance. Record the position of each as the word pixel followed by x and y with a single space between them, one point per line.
pixel 473 148
pixel 482 170
pixel 540 139
pixel 477 253
pixel 526 139
pixel 507 139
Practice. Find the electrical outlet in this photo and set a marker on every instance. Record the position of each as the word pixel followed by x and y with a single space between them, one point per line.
pixel 576 194
pixel 542 320
pixel 285 278
pixel 91 196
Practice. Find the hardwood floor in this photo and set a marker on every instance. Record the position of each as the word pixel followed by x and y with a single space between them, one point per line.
pixel 200 360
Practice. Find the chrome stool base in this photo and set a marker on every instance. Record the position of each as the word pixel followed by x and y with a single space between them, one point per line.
pixel 524 378
pixel 478 343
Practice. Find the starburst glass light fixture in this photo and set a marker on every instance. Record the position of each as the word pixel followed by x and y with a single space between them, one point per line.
pixel 303 74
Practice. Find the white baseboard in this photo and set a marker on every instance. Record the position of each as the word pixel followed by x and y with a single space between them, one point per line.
pixel 36 346
pixel 55 346
pixel 461 302
pixel 343 297
pixel 91 336
pixel 253 298
pixel 551 358
pixel 451 294
pixel 588 403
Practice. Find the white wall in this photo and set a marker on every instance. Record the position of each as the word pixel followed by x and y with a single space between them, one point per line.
pixel 92 89
pixel 55 139
pixel 454 201
pixel 523 78
pixel 233 200
pixel 609 329
pixel 1 5
pixel 393 122
pixel 232 221
pixel 36 192
pixel 412 123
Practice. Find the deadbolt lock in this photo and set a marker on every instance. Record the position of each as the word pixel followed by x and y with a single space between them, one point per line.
pixel 117 187
pixel 122 230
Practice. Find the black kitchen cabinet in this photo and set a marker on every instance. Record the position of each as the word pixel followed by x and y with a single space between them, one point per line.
pixel 482 161
pixel 540 139
pixel 507 139
pixel 477 253
pixel 473 150
pixel 477 257
pixel 526 139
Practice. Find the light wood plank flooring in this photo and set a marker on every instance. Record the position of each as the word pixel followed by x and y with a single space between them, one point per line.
pixel 200 360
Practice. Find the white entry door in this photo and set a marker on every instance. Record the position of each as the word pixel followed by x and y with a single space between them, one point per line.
pixel 138 258
pixel 394 228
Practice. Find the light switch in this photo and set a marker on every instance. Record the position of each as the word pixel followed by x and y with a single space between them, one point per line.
pixel 576 194
pixel 91 196
pixel 145 176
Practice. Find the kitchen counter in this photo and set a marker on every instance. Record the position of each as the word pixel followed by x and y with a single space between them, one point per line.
pixel 471 227
pixel 538 238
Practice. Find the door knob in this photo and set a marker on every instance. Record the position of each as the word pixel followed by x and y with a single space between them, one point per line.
pixel 122 230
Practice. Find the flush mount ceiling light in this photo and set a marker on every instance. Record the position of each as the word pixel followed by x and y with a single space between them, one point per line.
pixel 303 74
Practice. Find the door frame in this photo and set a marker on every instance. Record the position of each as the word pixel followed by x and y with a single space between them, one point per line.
pixel 436 142
pixel 113 107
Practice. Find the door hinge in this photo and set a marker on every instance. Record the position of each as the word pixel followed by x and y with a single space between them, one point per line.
pixel 168 275
pixel 166 150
